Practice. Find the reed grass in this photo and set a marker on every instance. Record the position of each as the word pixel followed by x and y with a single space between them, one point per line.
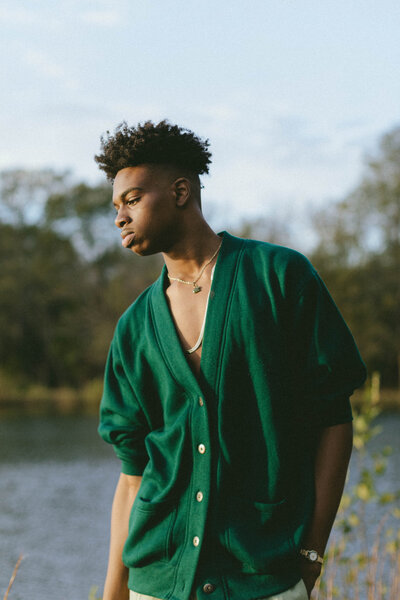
pixel 363 558
pixel 13 576
pixel 371 574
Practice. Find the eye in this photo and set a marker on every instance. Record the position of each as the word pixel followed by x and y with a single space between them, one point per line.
pixel 132 201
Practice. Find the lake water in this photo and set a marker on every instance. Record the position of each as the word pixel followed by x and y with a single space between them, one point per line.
pixel 57 480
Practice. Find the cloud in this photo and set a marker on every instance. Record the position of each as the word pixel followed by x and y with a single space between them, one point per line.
pixel 102 18
pixel 217 112
pixel 80 112
pixel 11 15
pixel 42 64
pixel 18 16
pixel 48 68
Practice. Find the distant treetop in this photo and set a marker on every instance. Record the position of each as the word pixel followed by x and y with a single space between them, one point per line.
pixel 148 143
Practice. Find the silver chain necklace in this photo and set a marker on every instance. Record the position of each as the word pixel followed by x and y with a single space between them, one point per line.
pixel 196 288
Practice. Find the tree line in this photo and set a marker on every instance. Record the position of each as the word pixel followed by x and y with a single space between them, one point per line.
pixel 64 279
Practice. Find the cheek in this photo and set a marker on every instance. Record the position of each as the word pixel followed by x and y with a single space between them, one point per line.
pixel 160 217
pixel 141 216
pixel 148 223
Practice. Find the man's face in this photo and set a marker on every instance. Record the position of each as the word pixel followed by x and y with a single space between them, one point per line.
pixel 145 200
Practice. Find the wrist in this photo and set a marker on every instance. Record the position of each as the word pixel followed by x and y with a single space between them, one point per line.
pixel 308 567
pixel 311 555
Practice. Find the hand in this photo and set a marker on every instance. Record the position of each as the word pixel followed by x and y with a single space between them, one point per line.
pixel 310 573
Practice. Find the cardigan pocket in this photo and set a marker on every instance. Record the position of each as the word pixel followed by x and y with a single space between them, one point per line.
pixel 150 536
pixel 260 538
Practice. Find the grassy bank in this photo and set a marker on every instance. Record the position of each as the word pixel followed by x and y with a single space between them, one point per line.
pixel 38 399
pixel 387 399
pixel 67 400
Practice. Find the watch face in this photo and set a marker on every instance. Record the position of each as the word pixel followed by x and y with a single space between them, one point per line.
pixel 313 555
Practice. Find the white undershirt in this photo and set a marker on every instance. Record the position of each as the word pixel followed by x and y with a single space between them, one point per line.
pixel 201 335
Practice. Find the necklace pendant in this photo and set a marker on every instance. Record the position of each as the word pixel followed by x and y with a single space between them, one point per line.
pixel 196 289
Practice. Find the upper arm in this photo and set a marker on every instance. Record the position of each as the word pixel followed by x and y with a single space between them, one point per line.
pixel 335 444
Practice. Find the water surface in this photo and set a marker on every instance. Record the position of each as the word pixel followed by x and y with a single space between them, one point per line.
pixel 57 480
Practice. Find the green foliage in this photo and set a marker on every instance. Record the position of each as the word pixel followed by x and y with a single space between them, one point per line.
pixel 86 213
pixel 24 194
pixel 274 230
pixel 63 281
pixel 358 255
pixel 40 304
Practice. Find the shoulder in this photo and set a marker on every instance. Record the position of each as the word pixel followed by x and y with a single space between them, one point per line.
pixel 272 262
pixel 278 256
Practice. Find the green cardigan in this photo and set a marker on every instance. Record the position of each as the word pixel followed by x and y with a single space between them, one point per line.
pixel 227 460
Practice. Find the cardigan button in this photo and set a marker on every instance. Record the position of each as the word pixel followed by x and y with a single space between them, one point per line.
pixel 201 401
pixel 199 496
pixel 208 588
pixel 196 541
pixel 201 448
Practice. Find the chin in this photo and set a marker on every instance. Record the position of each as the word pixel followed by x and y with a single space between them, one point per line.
pixel 143 250
pixel 150 244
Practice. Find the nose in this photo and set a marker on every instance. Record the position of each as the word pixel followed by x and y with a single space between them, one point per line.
pixel 122 217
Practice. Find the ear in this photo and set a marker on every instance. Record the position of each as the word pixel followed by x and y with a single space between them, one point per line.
pixel 182 189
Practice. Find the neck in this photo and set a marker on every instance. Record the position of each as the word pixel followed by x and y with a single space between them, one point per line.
pixel 186 257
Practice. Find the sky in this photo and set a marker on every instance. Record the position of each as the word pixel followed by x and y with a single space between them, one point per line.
pixel 292 94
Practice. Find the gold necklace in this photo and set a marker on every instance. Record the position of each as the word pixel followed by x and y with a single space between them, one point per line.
pixel 196 288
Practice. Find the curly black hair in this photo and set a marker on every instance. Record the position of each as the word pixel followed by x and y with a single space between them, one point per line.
pixel 147 143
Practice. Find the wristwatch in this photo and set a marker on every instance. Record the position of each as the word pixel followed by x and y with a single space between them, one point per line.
pixel 312 556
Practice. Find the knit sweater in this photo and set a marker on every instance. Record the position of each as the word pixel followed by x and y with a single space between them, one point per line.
pixel 227 458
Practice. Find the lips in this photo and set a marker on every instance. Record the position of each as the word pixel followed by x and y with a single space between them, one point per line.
pixel 127 238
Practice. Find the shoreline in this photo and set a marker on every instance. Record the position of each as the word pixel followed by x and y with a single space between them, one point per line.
pixel 85 401
pixel 39 400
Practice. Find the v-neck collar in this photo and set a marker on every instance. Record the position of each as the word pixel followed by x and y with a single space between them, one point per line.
pixel 220 294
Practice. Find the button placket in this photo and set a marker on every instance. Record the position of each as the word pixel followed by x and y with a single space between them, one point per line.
pixel 200 493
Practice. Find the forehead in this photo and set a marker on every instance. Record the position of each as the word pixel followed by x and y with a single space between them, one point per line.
pixel 131 177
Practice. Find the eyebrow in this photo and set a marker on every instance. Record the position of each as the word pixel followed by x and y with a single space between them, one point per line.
pixel 126 192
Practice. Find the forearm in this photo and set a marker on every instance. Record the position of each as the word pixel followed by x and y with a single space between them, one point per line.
pixel 116 584
pixel 331 463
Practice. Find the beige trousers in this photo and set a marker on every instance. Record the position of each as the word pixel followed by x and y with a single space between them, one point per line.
pixel 297 592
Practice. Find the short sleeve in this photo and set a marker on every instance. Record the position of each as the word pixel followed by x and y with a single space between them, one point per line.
pixel 122 421
pixel 328 365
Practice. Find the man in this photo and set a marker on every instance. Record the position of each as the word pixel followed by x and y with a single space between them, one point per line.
pixel 226 395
